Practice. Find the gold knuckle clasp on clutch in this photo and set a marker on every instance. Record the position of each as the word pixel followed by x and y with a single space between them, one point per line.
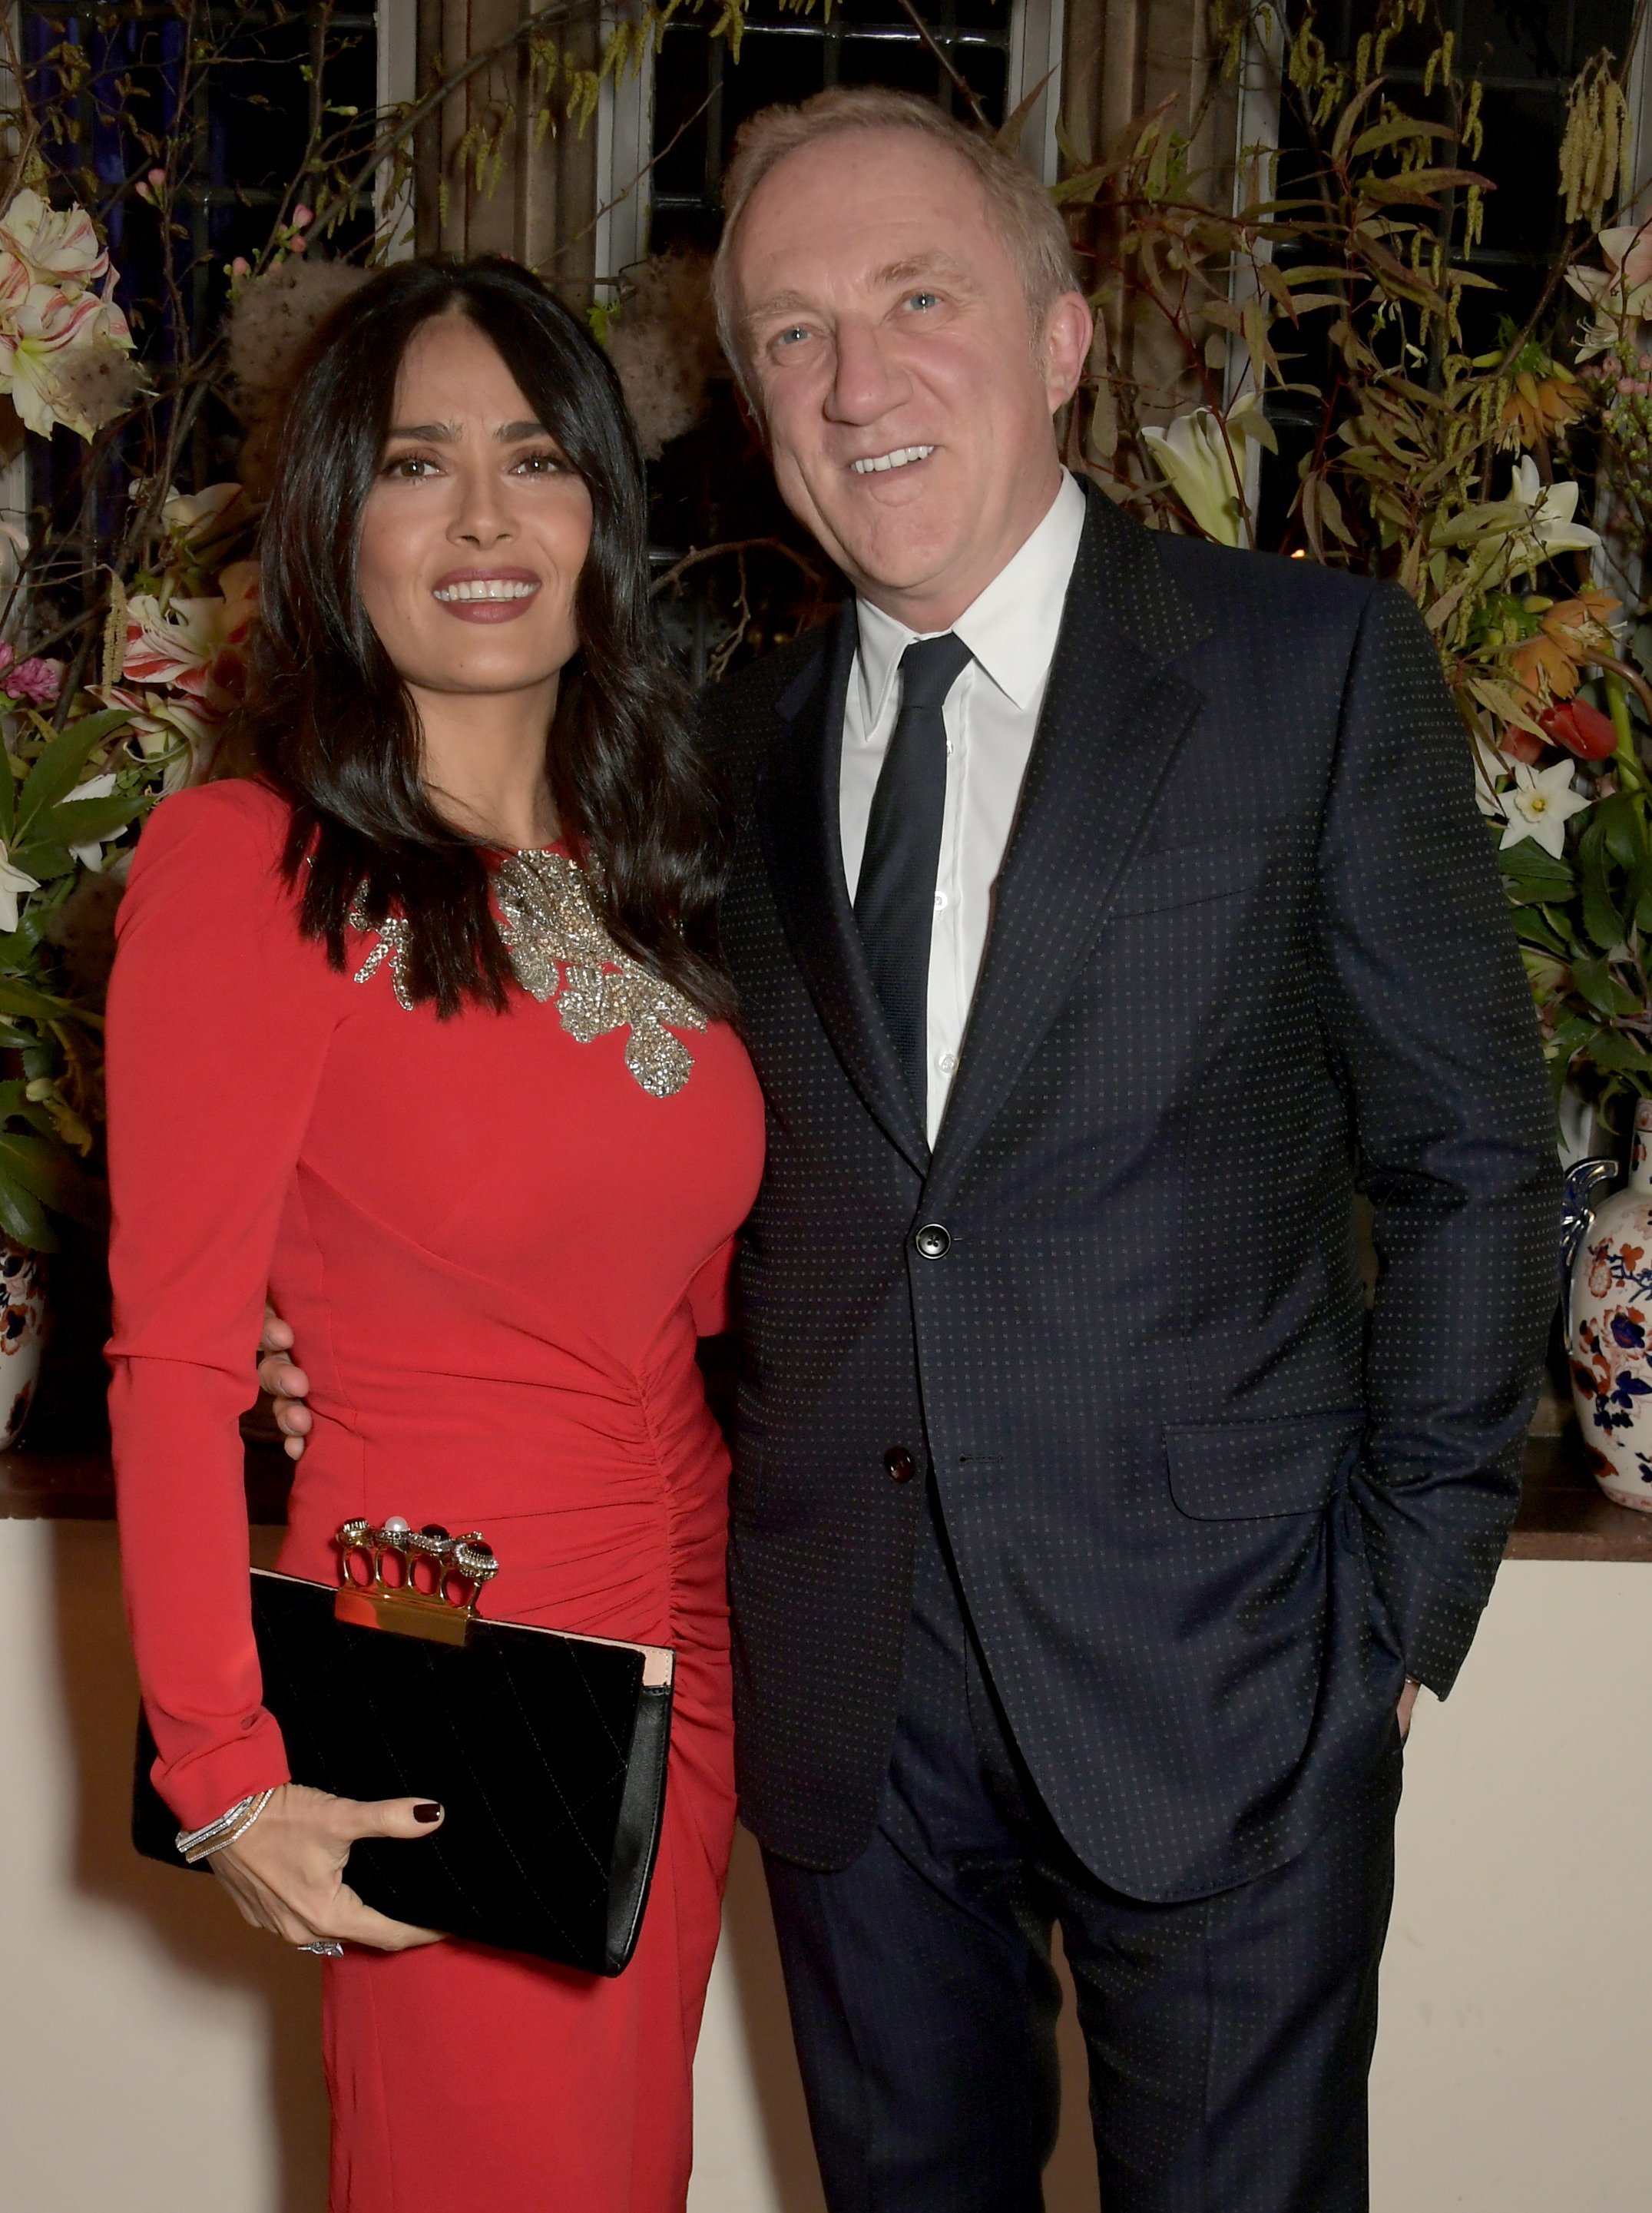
pixel 415 1582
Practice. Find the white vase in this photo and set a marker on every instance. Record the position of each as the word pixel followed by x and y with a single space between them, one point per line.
pixel 22 1336
pixel 1609 1332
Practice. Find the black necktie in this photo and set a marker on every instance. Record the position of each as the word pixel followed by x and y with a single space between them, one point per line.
pixel 894 900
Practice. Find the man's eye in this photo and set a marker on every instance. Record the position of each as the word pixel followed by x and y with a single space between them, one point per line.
pixel 922 299
pixel 792 334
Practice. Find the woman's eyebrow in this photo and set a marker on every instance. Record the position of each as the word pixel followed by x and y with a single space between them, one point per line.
pixel 449 434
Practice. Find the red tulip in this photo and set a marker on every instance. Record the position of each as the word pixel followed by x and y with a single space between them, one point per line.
pixel 1519 745
pixel 1582 729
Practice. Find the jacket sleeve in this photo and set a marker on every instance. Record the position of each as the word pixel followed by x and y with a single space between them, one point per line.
pixel 1432 1024
pixel 218 1022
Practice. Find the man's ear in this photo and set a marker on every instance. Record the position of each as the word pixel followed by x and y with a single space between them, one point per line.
pixel 1064 346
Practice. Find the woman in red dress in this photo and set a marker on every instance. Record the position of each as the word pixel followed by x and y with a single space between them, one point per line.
pixel 422 1029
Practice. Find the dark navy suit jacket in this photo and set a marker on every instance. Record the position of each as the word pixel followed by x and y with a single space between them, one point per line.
pixel 1249 957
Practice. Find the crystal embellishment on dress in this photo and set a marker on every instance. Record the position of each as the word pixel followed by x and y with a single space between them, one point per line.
pixel 391 946
pixel 559 951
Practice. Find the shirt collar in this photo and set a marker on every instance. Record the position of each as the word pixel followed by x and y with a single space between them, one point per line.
pixel 1011 628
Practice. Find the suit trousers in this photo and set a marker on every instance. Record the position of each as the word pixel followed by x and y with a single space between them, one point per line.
pixel 1229 2037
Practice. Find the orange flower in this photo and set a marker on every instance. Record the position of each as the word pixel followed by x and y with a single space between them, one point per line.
pixel 1539 406
pixel 1585 619
pixel 1543 665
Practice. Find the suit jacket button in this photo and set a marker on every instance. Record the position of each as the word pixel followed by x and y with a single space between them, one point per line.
pixel 900 1464
pixel 933 1240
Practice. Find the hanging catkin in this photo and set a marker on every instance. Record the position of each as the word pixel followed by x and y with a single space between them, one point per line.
pixel 1595 148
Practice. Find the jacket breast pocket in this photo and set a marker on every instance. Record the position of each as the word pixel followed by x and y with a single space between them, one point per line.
pixel 1253 1471
pixel 1185 875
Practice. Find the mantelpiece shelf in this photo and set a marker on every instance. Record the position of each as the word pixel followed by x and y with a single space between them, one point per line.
pixel 78 1486
pixel 1563 1515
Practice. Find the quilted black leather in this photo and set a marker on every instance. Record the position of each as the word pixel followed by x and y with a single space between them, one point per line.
pixel 545 1751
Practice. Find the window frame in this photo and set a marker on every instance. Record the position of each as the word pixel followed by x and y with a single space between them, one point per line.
pixel 624 128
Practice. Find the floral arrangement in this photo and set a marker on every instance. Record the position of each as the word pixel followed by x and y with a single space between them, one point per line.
pixel 126 603
pixel 1509 491
pixel 65 347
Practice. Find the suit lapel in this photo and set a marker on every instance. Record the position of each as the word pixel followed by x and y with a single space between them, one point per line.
pixel 1113 720
pixel 797 814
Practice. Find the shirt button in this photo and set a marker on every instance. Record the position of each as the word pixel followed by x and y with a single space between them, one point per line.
pixel 900 1465
pixel 940 901
pixel 946 1063
pixel 933 1240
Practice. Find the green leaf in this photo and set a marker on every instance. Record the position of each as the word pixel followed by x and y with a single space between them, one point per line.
pixel 57 772
pixel 47 1170
pixel 1396 132
pixel 1620 1053
pixel 8 797
pixel 1534 928
pixel 1602 919
pixel 22 1216
pixel 1622 827
pixel 88 821
pixel 18 996
pixel 1597 984
pixel 1569 1039
pixel 1536 877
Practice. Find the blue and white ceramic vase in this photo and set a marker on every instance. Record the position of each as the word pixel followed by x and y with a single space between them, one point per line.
pixel 1609 1324
pixel 22 1336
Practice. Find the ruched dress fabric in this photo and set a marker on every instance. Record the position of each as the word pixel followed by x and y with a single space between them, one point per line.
pixel 497 1250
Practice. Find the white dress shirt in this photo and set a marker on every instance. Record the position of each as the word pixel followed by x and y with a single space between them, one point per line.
pixel 992 714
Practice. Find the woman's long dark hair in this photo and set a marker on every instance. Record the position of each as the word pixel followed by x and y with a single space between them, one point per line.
pixel 329 723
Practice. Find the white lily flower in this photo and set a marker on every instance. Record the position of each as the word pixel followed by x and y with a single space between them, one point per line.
pixel 14 885
pixel 57 246
pixel 1550 509
pixel 96 787
pixel 1196 462
pixel 193 516
pixel 1621 293
pixel 1538 805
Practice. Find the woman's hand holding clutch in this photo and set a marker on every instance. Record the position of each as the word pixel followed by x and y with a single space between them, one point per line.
pixel 285 1873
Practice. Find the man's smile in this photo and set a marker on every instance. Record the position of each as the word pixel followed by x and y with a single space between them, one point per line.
pixel 901 457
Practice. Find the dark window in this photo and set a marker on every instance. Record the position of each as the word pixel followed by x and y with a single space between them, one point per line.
pixel 715 486
pixel 1525 53
pixel 702 96
pixel 240 102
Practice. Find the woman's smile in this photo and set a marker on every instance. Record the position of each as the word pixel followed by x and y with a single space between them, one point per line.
pixel 486 595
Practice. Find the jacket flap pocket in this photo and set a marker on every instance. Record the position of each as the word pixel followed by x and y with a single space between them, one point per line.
pixel 1244 1471
pixel 1181 875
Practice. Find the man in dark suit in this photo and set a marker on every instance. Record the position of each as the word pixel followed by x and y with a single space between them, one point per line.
pixel 1107 910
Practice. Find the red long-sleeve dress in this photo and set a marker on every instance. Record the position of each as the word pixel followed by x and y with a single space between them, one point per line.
pixel 496 1246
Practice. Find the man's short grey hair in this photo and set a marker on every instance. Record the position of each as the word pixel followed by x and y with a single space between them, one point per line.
pixel 1021 210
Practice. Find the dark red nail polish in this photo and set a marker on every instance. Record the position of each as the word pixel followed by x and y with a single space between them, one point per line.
pixel 427 1813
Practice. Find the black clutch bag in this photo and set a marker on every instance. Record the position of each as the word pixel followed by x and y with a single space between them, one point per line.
pixel 547 1752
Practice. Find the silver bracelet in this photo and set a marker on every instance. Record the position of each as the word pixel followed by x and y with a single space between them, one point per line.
pixel 196 1845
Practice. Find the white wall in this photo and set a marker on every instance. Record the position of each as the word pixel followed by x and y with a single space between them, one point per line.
pixel 154 2054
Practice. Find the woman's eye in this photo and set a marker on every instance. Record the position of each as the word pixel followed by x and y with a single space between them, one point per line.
pixel 410 468
pixel 922 299
pixel 792 334
pixel 542 465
